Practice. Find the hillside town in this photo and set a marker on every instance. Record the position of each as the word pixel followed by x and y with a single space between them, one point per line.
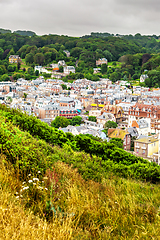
pixel 136 110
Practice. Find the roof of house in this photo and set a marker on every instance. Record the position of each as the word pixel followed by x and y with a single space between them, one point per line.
pixel 118 133
pixel 149 139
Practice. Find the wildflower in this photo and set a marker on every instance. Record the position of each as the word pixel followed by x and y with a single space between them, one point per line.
pixel 23 182
pixel 34 183
pixel 39 171
pixel 46 188
pixel 25 188
pixel 35 179
pixel 16 192
pixel 17 197
pixel 30 181
pixel 29 175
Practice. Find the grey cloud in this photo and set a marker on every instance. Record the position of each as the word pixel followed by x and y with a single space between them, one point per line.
pixel 81 16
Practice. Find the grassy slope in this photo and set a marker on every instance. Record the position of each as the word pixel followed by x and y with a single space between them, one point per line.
pixel 116 208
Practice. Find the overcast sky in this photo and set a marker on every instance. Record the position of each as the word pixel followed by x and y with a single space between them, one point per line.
pixel 81 17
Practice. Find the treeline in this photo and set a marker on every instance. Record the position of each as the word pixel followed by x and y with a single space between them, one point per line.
pixel 106 158
pixel 130 51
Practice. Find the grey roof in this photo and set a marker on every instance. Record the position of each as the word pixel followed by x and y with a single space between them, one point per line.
pixel 133 131
pixel 142 123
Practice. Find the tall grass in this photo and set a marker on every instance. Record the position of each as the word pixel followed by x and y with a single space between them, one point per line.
pixel 115 209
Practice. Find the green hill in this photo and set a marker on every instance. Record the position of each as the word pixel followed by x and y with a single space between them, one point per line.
pixel 69 193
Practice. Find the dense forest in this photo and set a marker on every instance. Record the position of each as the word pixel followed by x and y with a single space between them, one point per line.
pixel 128 56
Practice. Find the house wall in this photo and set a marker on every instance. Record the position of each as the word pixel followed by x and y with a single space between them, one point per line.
pixel 141 149
pixel 153 148
pixel 127 142
pixel 48 113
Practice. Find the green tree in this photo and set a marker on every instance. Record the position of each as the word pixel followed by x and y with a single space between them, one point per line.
pixel 77 120
pixel 117 142
pixel 5 78
pixel 29 58
pixel 24 95
pixel 18 65
pixel 30 71
pixel 92 118
pixel 2 71
pixel 75 52
pixel 11 68
pixel 12 52
pixel 64 86
pixel 48 57
pixel 39 58
pixel 1 53
pixel 37 73
pixel 108 55
pixel 9 100
pixel 104 68
pixel 61 69
pixel 110 124
pixel 17 75
pixel 60 122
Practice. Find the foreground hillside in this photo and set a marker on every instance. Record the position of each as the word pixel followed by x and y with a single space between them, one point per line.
pixel 114 209
pixel 55 186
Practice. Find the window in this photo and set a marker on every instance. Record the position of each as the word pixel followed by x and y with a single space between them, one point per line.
pixel 143 151
pixel 137 150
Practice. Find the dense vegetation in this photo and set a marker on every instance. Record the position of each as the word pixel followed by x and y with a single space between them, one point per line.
pixel 104 157
pixel 131 51
pixel 35 179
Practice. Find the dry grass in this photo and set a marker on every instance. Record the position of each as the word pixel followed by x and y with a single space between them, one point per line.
pixel 116 209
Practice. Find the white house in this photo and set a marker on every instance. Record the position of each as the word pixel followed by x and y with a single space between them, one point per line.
pixel 69 69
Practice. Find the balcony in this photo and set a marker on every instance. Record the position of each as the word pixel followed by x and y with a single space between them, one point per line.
pixel 144 148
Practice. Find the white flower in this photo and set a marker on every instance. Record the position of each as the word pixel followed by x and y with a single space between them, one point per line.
pixel 17 197
pixel 34 183
pixel 39 171
pixel 46 188
pixel 29 175
pixel 23 182
pixel 30 181
pixel 25 188
pixel 35 179
pixel 16 192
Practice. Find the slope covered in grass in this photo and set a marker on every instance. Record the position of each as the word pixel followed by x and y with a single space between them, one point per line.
pixel 96 159
pixel 42 195
pixel 115 209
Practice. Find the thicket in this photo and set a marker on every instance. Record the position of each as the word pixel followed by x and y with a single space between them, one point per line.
pixel 105 158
